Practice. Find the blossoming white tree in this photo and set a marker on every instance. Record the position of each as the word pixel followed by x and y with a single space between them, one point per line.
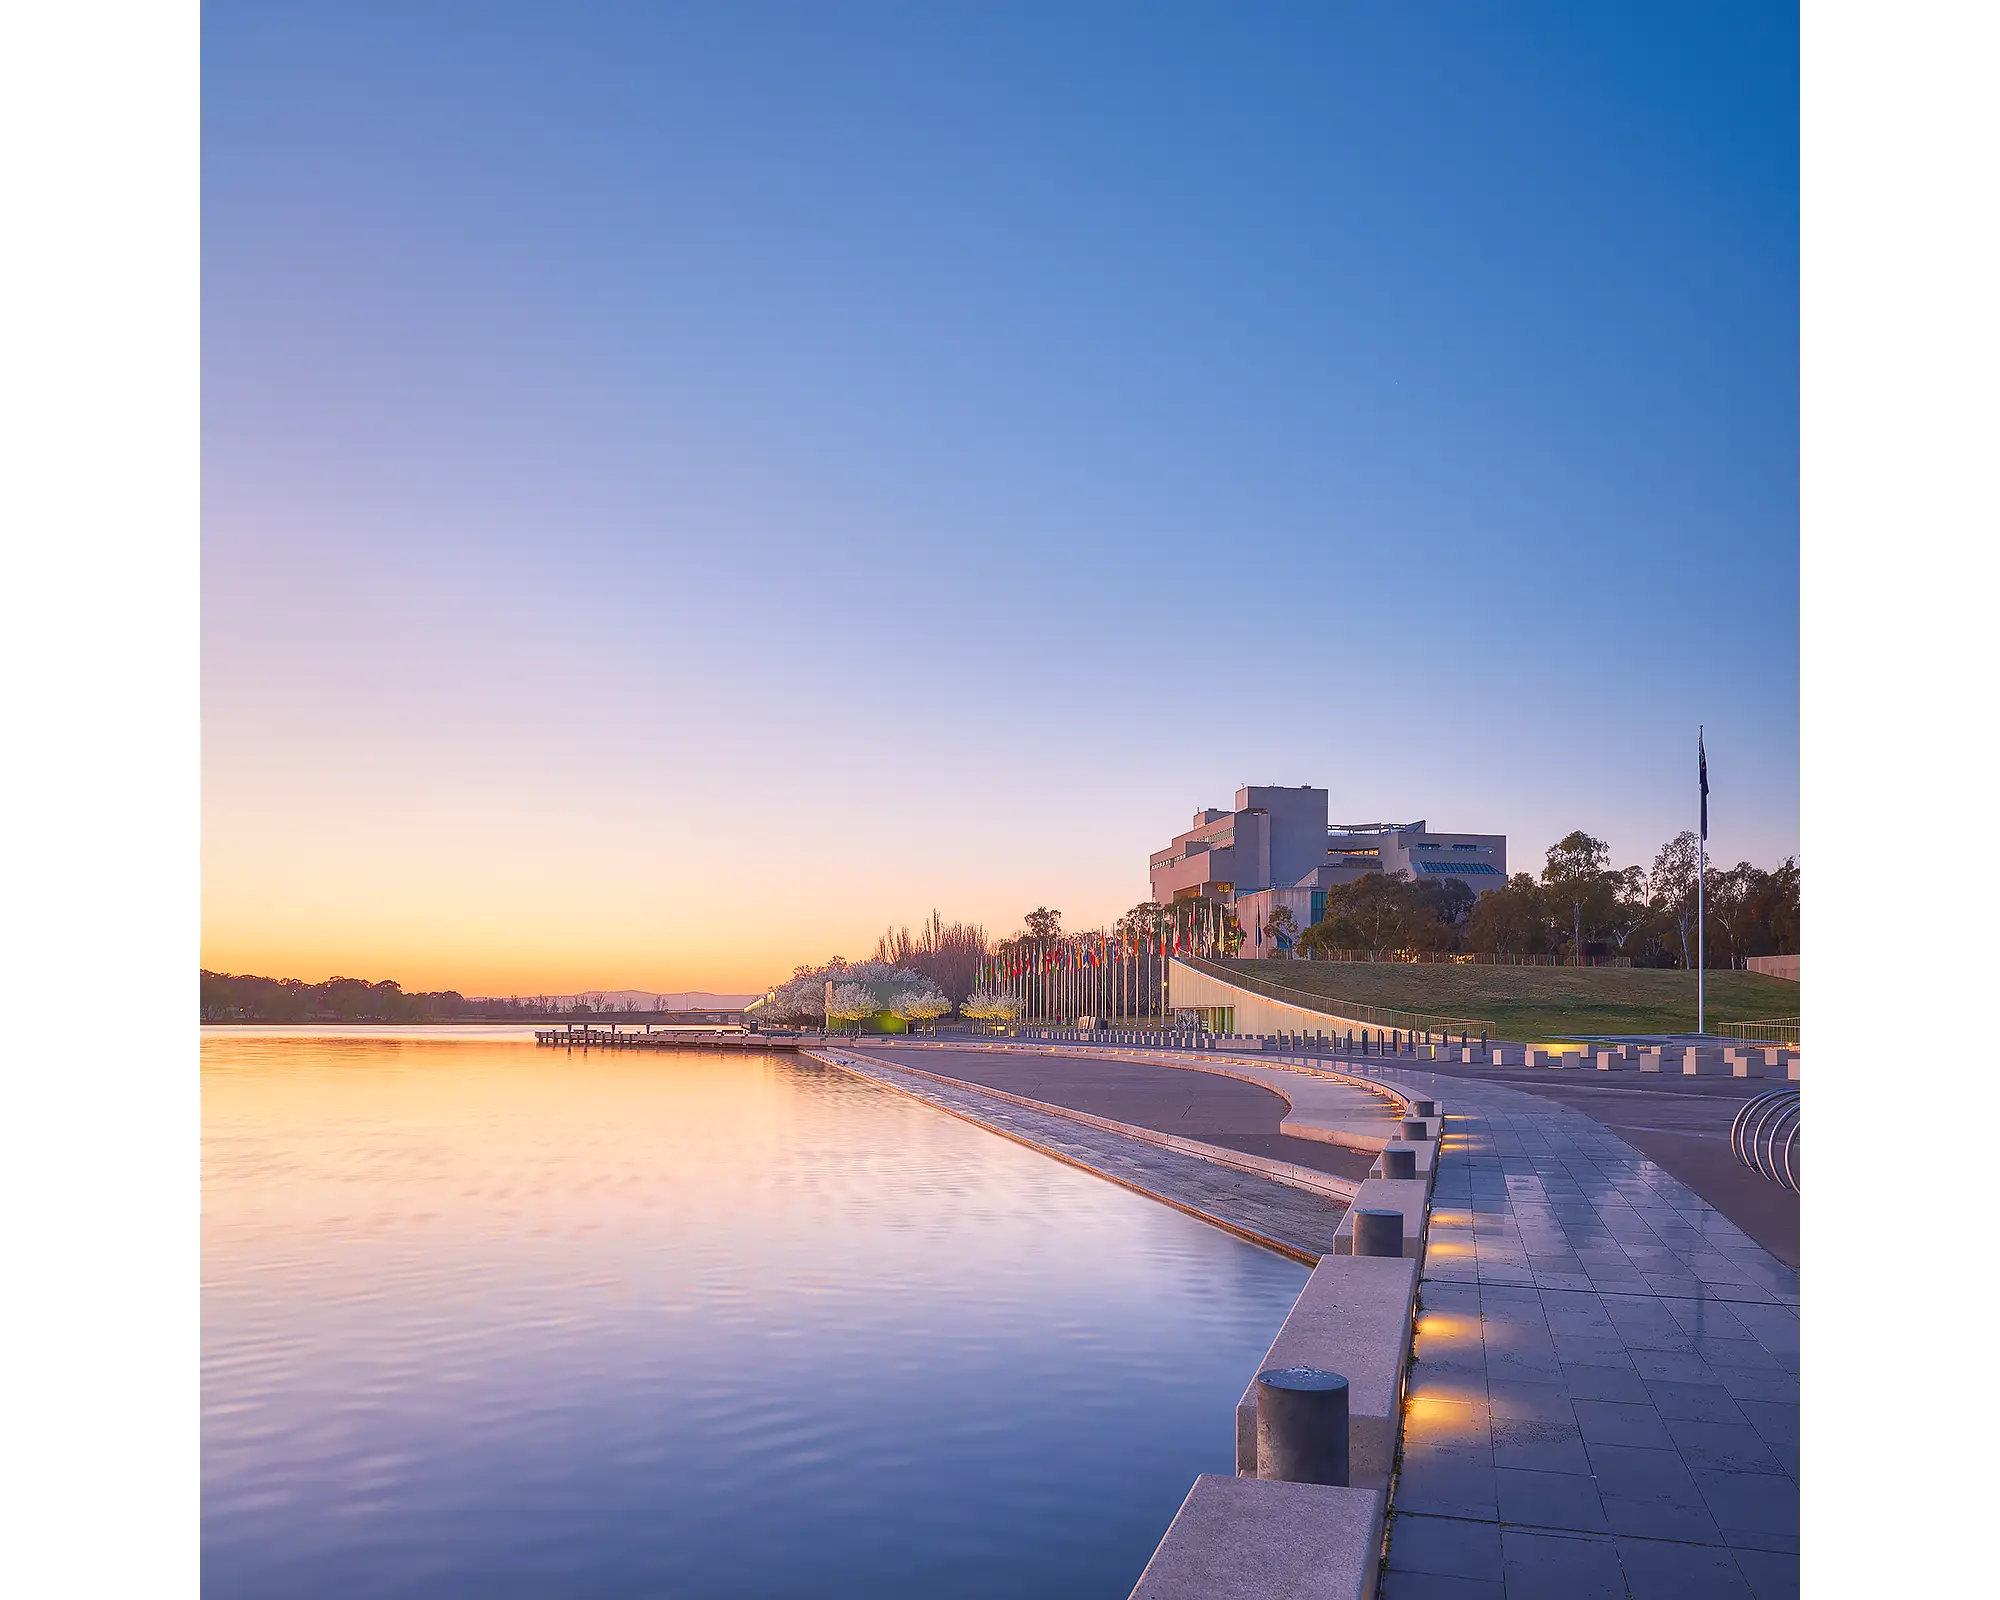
pixel 851 1002
pixel 990 1005
pixel 920 1002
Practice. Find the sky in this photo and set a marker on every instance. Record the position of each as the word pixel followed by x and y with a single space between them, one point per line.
pixel 688 487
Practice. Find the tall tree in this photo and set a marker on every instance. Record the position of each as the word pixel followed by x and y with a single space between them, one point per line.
pixel 1673 884
pixel 1044 923
pixel 948 953
pixel 1143 921
pixel 1511 920
pixel 1573 877
pixel 1780 908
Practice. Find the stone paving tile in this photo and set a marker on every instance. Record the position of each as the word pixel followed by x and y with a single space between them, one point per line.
pixel 1615 1422
pixel 1657 1570
pixel 1444 1482
pixel 1438 1586
pixel 1753 1508
pixel 1541 1566
pixel 1771 1575
pixel 1723 1446
pixel 1776 1423
pixel 1446 1546
pixel 1606 1383
pixel 1538 1445
pixel 1636 1367
pixel 1697 1402
pixel 1530 1402
pixel 1565 1500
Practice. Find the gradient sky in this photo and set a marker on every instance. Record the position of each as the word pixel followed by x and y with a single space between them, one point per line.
pixel 686 487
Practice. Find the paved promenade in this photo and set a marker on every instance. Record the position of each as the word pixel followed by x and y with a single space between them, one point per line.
pixel 1186 1101
pixel 1605 1398
pixel 1681 1123
pixel 1299 1222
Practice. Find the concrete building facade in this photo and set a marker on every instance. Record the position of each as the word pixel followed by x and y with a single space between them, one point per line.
pixel 1276 847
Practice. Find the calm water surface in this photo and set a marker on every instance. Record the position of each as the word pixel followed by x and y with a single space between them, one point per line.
pixel 485 1319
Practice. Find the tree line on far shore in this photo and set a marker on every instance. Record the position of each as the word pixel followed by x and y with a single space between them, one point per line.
pixel 240 997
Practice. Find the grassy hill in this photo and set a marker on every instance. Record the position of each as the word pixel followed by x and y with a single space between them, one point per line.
pixel 1540 1002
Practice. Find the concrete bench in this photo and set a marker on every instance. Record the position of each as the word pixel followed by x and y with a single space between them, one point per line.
pixel 1616 1061
pixel 1252 1538
pixel 1353 1318
pixel 1411 1196
pixel 1704 1063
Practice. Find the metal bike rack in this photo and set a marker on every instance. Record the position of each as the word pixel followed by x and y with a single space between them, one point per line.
pixel 1765 1136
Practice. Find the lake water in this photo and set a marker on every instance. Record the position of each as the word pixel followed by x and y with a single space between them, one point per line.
pixel 483 1319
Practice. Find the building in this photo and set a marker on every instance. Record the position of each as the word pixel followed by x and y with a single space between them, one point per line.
pixel 1277 848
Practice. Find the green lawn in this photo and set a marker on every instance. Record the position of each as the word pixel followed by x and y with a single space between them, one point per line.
pixel 1536 1003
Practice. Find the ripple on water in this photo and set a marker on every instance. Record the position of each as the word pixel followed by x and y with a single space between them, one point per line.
pixel 479 1318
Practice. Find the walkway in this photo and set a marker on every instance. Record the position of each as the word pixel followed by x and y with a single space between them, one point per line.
pixel 1299 1223
pixel 1681 1123
pixel 1605 1396
pixel 1187 1101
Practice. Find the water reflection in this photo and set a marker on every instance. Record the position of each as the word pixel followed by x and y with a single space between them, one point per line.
pixel 480 1318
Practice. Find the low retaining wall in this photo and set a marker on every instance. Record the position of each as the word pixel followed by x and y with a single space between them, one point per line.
pixel 1193 990
pixel 1353 1317
pixel 1411 1196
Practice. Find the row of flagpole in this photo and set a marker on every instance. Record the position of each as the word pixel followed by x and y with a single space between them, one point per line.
pixel 1119 975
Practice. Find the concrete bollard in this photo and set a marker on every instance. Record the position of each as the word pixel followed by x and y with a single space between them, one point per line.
pixel 1415 1128
pixel 1380 1233
pixel 1423 1108
pixel 1399 1162
pixel 1302 1426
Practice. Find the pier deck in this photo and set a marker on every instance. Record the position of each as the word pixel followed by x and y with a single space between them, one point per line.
pixel 587 1038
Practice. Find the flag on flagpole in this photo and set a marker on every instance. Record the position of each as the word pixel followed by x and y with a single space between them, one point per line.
pixel 1701 753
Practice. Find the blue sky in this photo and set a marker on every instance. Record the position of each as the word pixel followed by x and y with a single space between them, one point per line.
pixel 919 454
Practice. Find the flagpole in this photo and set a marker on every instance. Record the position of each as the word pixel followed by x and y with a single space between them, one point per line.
pixel 1701 896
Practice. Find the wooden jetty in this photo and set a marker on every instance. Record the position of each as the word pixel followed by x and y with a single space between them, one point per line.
pixel 585 1037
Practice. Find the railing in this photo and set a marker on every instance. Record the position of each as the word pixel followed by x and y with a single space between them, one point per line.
pixel 1442 958
pixel 1765 1137
pixel 1769 1030
pixel 1330 1005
